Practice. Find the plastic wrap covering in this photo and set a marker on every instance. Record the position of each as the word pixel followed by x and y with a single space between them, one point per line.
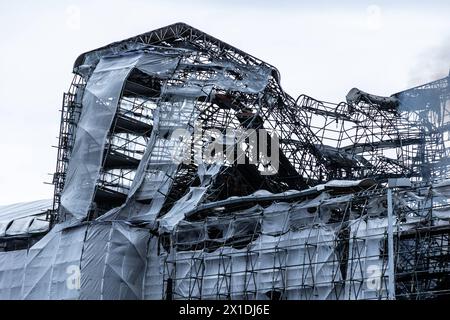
pixel 157 168
pixel 442 213
pixel 442 188
pixel 41 273
pixel 191 200
pixel 276 219
pixel 377 207
pixel 24 209
pixel 24 218
pixel 282 249
pixel 100 101
pixel 366 272
pixel 176 109
pixel 285 264
pixel 263 195
pixel 12 267
pixel 87 66
pixel 114 261
pixel 153 281
pixel 99 106
pixel 110 257
pixel 233 230
pixel 306 212
pixel 46 268
pixel 186 203
pixel 306 271
pixel 350 184
pixel 285 250
pixel 28 226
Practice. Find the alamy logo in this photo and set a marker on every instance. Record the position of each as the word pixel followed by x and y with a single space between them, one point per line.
pixel 73 281
pixel 373 277
pixel 73 14
pixel 259 147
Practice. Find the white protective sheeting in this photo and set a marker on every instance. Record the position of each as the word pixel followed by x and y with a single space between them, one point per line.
pixel 336 184
pixel 88 261
pixel 186 203
pixel 113 262
pixel 158 160
pixel 12 267
pixel 100 100
pixel 153 287
pixel 366 272
pixel 270 263
pixel 256 253
pixel 28 225
pixel 176 110
pixel 41 272
pixel 45 273
pixel 24 218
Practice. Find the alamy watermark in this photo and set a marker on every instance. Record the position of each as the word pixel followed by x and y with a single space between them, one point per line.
pixel 73 17
pixel 236 146
pixel 73 281
pixel 374 276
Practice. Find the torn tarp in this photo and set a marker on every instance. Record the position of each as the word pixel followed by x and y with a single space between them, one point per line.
pixel 99 105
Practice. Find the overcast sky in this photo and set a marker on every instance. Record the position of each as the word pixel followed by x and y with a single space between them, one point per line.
pixel 322 49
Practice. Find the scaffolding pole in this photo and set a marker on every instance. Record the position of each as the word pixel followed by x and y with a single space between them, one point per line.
pixel 391 271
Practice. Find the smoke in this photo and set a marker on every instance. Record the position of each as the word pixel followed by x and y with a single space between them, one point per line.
pixel 432 64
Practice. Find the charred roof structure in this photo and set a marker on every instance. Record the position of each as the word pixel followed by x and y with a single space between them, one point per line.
pixel 184 171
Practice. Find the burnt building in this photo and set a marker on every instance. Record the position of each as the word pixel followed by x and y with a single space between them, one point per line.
pixel 184 171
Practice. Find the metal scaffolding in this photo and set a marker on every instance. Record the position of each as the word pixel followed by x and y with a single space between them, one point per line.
pixel 315 229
